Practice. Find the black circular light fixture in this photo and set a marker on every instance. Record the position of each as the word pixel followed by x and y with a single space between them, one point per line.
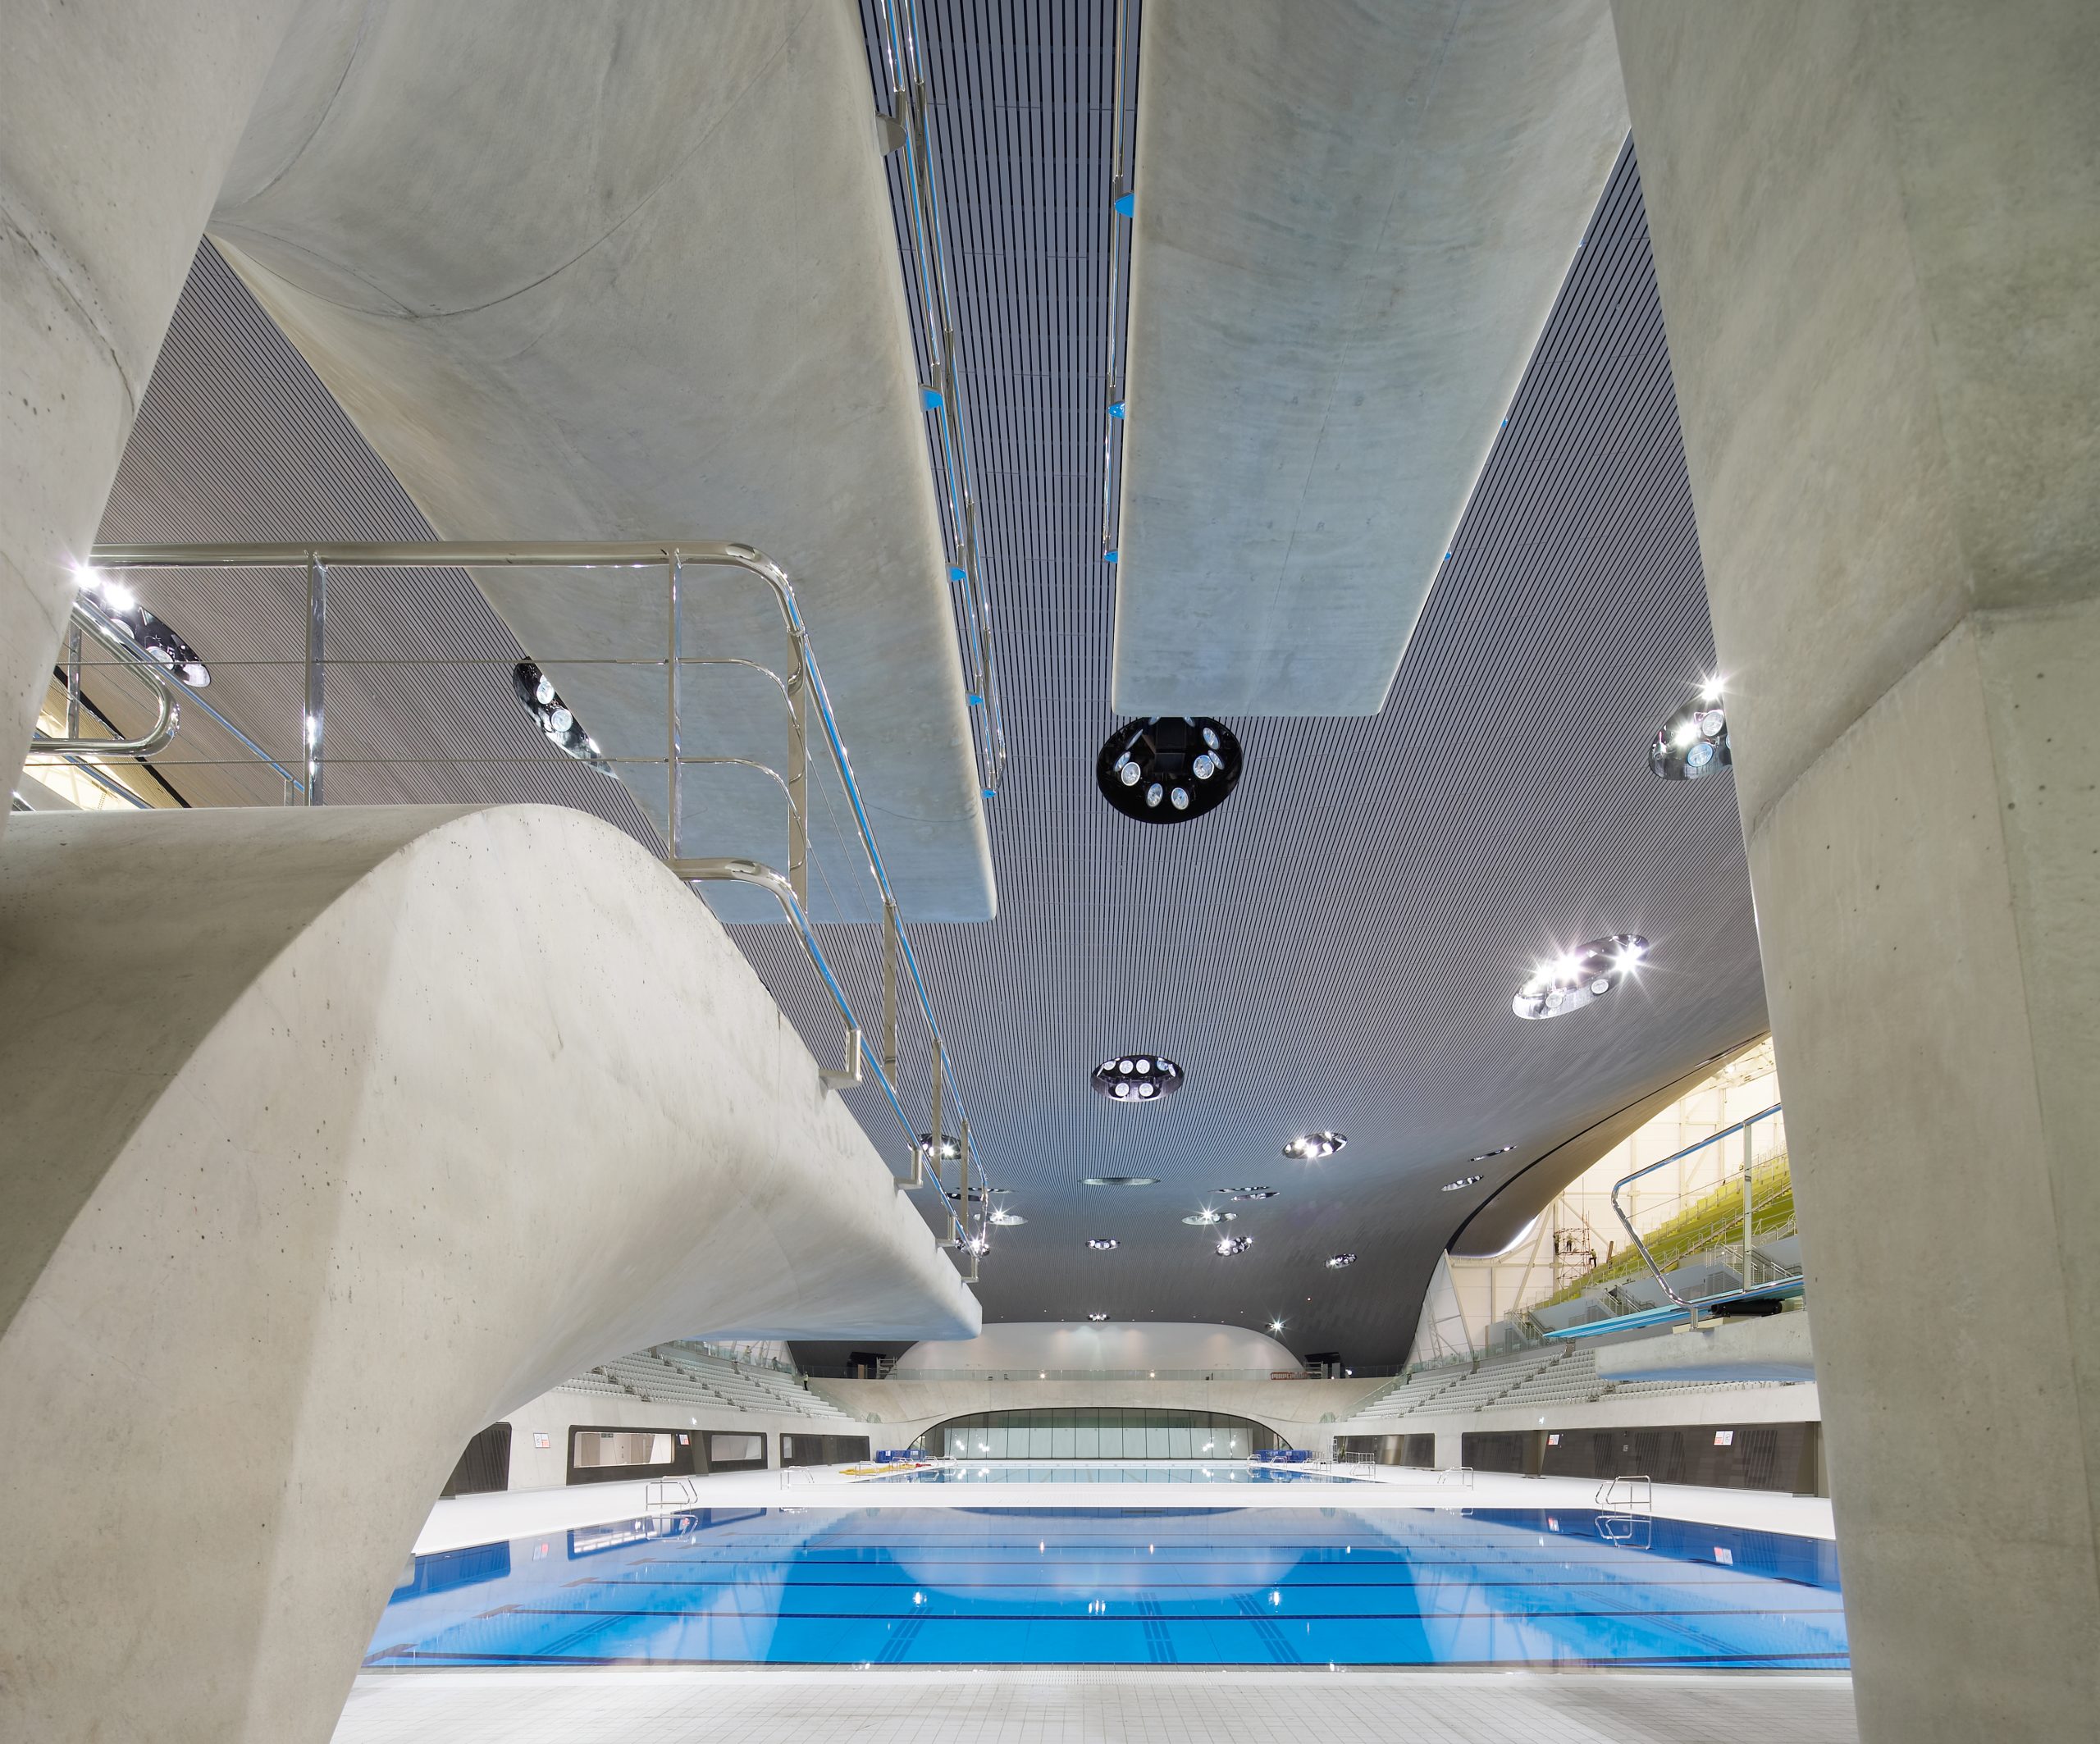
pixel 1167 769
pixel 1102 1243
pixel 1500 1150
pixel 1336 1262
pixel 1579 977
pixel 1244 1194
pixel 1462 1181
pixel 1097 1316
pixel 1229 1245
pixel 1204 1218
pixel 543 702
pixel 1139 1077
pixel 1119 1181
pixel 1311 1147
pixel 1694 741
pixel 116 605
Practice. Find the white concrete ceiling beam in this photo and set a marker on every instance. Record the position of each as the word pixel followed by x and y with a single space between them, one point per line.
pixel 1351 223
pixel 585 272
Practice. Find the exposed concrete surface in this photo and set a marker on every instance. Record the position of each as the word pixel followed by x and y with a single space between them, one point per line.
pixel 1042 1345
pixel 898 1410
pixel 333 1136
pixel 1877 231
pixel 1351 223
pixel 630 271
pixel 1775 1348
pixel 114 136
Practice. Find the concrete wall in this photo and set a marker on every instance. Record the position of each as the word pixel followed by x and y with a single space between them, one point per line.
pixel 1048 1345
pixel 555 1413
pixel 1877 233
pixel 334 1136
pixel 897 1410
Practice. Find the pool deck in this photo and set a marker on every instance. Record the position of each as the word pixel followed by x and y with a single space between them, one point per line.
pixel 484 1519
pixel 1115 1705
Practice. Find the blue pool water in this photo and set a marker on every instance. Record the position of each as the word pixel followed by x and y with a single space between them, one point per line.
pixel 1309 1585
pixel 1085 1472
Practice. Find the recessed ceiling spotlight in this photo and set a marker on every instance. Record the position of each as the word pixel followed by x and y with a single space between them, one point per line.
pixel 1463 1180
pixel 1578 977
pixel 1694 741
pixel 1097 1316
pixel 543 702
pixel 1101 1244
pixel 1489 1156
pixel 1206 1217
pixel 1313 1146
pixel 1008 1220
pixel 1231 1244
pixel 1168 769
pixel 1119 1181
pixel 1243 1194
pixel 1336 1262
pixel 1139 1077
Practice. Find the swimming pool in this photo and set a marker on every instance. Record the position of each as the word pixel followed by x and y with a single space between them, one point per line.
pixel 1085 1471
pixel 1278 1586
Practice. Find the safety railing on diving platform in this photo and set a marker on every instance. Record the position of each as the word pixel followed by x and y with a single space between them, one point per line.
pixel 1722 1218
pixel 901 40
pixel 947 1135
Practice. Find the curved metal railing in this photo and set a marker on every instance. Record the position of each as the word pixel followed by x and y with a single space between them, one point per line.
pixel 804 682
pixel 1747 1286
pixel 128 654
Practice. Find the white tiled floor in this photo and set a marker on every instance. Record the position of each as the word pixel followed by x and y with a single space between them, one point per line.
pixel 1114 1705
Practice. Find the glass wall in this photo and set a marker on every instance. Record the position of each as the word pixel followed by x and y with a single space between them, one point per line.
pixel 1098 1432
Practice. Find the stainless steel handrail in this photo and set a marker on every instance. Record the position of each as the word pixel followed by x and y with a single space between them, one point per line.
pixel 1691 1308
pixel 904 70
pixel 128 653
pixel 804 683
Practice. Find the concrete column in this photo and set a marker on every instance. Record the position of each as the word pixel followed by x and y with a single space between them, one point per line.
pixel 115 131
pixel 1877 232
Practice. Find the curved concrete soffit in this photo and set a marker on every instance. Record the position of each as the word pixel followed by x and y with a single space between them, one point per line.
pixel 1351 224
pixel 630 273
pixel 1498 1222
pixel 335 1135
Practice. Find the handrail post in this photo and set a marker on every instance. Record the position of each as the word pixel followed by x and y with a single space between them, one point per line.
pixel 73 679
pixel 934 1146
pixel 317 631
pixel 673 748
pixel 798 771
pixel 890 923
pixel 1748 1204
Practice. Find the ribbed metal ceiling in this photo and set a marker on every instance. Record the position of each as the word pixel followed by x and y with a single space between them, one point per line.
pixel 1337 945
pixel 1333 947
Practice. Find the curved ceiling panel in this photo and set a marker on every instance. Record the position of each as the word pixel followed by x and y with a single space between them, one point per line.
pixel 1350 223
pixel 583 272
